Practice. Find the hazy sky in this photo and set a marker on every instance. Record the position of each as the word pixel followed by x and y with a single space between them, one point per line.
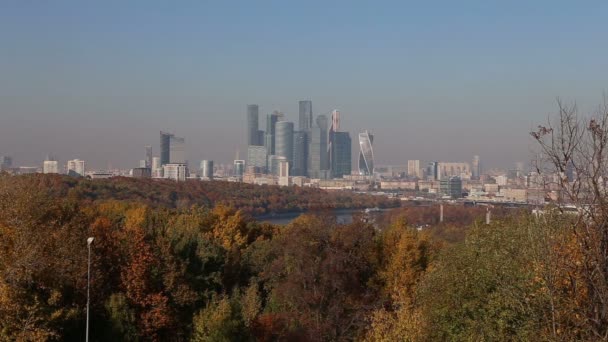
pixel 97 80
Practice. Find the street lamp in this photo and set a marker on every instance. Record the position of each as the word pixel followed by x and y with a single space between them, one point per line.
pixel 89 242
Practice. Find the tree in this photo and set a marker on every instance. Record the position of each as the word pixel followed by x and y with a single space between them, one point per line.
pixel 574 161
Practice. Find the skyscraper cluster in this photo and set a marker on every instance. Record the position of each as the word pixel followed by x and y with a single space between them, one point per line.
pixel 312 149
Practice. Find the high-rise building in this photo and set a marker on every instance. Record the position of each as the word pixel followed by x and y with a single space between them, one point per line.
pixel 6 162
pixel 273 164
pixel 449 169
pixel 300 153
pixel 165 143
pixel 271 121
pixel 149 156
pixel 239 168
pixel 413 168
pixel 50 166
pixel 451 186
pixel 157 168
pixel 76 167
pixel 141 172
pixel 172 149
pixel 177 150
pixel 283 172
pixel 341 155
pixel 257 157
pixel 323 124
pixel 207 169
pixel 252 125
pixel 305 122
pixel 476 168
pixel 333 128
pixel 176 172
pixel 284 140
pixel 433 171
pixel 366 154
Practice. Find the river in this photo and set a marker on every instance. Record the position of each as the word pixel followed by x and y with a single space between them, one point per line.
pixel 341 215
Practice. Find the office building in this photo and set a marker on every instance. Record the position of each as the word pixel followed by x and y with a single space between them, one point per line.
pixel 157 168
pixel 433 171
pixel 451 187
pixel 176 172
pixel 283 172
pixel 253 125
pixel 6 162
pixel 305 122
pixel 284 140
pixel 207 169
pixel 141 172
pixel 413 169
pixel 257 157
pixel 239 168
pixel 333 128
pixel 449 169
pixel 366 154
pixel 149 156
pixel 300 153
pixel 143 163
pixel 76 168
pixel 341 155
pixel 271 121
pixel 50 166
pixel 322 123
pixel 476 168
pixel 172 149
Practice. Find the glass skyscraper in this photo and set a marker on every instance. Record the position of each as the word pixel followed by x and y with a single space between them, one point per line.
pixel 341 150
pixel 172 149
pixel 305 122
pixel 300 153
pixel 252 125
pixel 366 154
pixel 284 140
pixel 271 121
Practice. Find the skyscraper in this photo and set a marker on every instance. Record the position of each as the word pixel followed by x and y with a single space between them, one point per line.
pixel 165 142
pixel 305 122
pixel 271 121
pixel 252 125
pixel 476 168
pixel 239 168
pixel 284 140
pixel 207 169
pixel 322 123
pixel 300 153
pixel 433 171
pixel 257 157
pixel 413 168
pixel 177 150
pixel 148 156
pixel 6 162
pixel 341 155
pixel 172 149
pixel 333 128
pixel 366 154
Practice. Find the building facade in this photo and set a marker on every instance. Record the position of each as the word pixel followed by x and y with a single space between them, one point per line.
pixel 451 187
pixel 176 172
pixel 341 155
pixel 257 157
pixel 366 154
pixel 284 140
pixel 413 169
pixel 76 167
pixel 50 166
pixel 253 125
pixel 207 169
pixel 300 153
pixel 305 118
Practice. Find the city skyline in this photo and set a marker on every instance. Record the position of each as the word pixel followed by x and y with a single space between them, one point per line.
pixel 97 82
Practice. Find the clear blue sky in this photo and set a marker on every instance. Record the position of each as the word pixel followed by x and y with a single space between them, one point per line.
pixel 433 81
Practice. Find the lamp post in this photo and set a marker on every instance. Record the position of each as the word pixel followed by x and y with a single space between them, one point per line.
pixel 89 242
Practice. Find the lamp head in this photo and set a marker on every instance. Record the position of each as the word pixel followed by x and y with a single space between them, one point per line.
pixel 90 240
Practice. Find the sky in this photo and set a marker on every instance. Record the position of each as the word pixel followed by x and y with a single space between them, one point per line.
pixel 432 80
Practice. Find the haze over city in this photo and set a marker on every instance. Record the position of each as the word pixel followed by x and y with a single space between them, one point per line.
pixel 431 82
